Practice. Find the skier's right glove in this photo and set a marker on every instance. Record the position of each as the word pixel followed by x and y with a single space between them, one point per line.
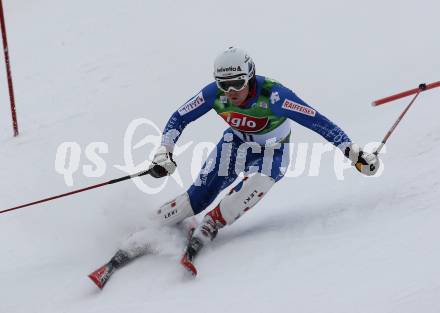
pixel 163 163
pixel 366 163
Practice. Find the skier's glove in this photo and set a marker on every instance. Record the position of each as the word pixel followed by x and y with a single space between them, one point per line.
pixel 366 163
pixel 163 163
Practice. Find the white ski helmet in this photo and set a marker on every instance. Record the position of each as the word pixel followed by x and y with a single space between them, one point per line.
pixel 233 69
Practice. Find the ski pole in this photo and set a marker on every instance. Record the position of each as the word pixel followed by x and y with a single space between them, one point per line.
pixel 422 87
pixel 113 181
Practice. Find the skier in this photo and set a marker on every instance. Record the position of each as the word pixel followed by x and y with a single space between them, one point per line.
pixel 259 112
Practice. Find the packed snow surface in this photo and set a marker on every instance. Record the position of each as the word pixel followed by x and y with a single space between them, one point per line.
pixel 85 70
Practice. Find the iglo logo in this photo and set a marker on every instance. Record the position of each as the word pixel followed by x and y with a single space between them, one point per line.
pixel 245 123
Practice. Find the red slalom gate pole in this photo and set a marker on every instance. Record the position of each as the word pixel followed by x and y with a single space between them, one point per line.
pixel 422 87
pixel 113 181
pixel 8 70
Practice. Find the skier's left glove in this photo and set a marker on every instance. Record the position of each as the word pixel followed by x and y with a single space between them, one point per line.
pixel 163 163
pixel 366 163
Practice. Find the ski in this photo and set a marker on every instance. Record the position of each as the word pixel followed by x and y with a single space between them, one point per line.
pixel 188 265
pixel 101 276
pixel 192 250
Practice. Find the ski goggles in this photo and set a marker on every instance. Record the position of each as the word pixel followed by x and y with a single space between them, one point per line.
pixel 234 84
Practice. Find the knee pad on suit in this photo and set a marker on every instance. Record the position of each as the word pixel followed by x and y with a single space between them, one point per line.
pixel 244 196
pixel 175 211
